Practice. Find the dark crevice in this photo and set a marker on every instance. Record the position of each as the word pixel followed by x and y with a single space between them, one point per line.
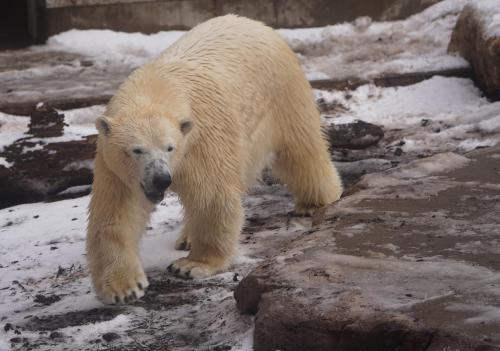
pixel 429 342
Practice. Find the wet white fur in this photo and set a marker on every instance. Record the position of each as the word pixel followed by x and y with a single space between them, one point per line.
pixel 244 90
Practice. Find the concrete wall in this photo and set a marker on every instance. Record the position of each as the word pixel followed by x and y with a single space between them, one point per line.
pixel 153 15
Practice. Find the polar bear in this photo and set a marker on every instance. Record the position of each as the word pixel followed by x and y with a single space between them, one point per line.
pixel 202 120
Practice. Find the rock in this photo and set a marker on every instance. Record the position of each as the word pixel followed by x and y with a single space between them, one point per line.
pixel 86 63
pixel 46 300
pixel 46 122
pixel 357 135
pixel 476 39
pixel 110 336
pixel 405 8
pixel 56 335
pixel 351 172
pixel 297 323
pixel 43 172
pixel 329 107
pixel 249 293
pixel 222 348
pixel 40 168
pixel 390 267
pixel 236 277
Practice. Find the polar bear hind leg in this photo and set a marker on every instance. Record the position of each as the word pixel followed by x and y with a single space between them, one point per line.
pixel 303 163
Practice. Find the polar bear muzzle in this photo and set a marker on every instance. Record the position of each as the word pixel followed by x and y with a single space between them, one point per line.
pixel 156 180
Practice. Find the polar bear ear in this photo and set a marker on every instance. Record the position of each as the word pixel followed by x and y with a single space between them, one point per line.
pixel 103 126
pixel 186 126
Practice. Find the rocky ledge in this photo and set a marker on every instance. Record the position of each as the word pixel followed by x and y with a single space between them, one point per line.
pixel 476 37
pixel 410 261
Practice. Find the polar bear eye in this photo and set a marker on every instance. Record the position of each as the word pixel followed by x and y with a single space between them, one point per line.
pixel 170 148
pixel 186 126
pixel 138 151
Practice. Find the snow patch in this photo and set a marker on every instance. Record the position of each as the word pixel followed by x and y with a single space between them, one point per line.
pixel 81 122
pixel 83 116
pixel 472 144
pixel 485 313
pixel 12 128
pixel 82 334
pixel 5 163
pixel 490 125
pixel 398 107
pixel 489 12
pixel 75 190
pixel 136 48
pixel 365 50
pixel 35 147
pixel 246 343
pixel 446 114
pixel 440 163
pixel 406 175
pixel 74 166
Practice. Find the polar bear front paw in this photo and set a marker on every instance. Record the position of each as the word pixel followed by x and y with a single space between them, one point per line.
pixel 122 284
pixel 189 269
pixel 305 210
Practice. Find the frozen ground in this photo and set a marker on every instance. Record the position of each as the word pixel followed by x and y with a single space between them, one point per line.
pixel 398 219
pixel 82 64
pixel 436 115
pixel 45 293
pixel 45 289
pixel 366 50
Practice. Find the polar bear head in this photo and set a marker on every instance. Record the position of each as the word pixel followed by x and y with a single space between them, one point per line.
pixel 143 135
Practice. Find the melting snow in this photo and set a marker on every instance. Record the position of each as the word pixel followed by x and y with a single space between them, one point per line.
pixel 5 163
pixel 443 114
pixel 43 252
pixel 135 48
pixel 12 128
pixel 488 10
pixel 362 48
pixel 347 50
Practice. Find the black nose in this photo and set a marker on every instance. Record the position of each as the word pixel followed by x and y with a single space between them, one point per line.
pixel 161 181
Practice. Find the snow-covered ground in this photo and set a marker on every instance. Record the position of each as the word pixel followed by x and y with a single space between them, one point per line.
pixel 363 49
pixel 436 115
pixel 44 280
pixel 360 49
pixel 87 63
